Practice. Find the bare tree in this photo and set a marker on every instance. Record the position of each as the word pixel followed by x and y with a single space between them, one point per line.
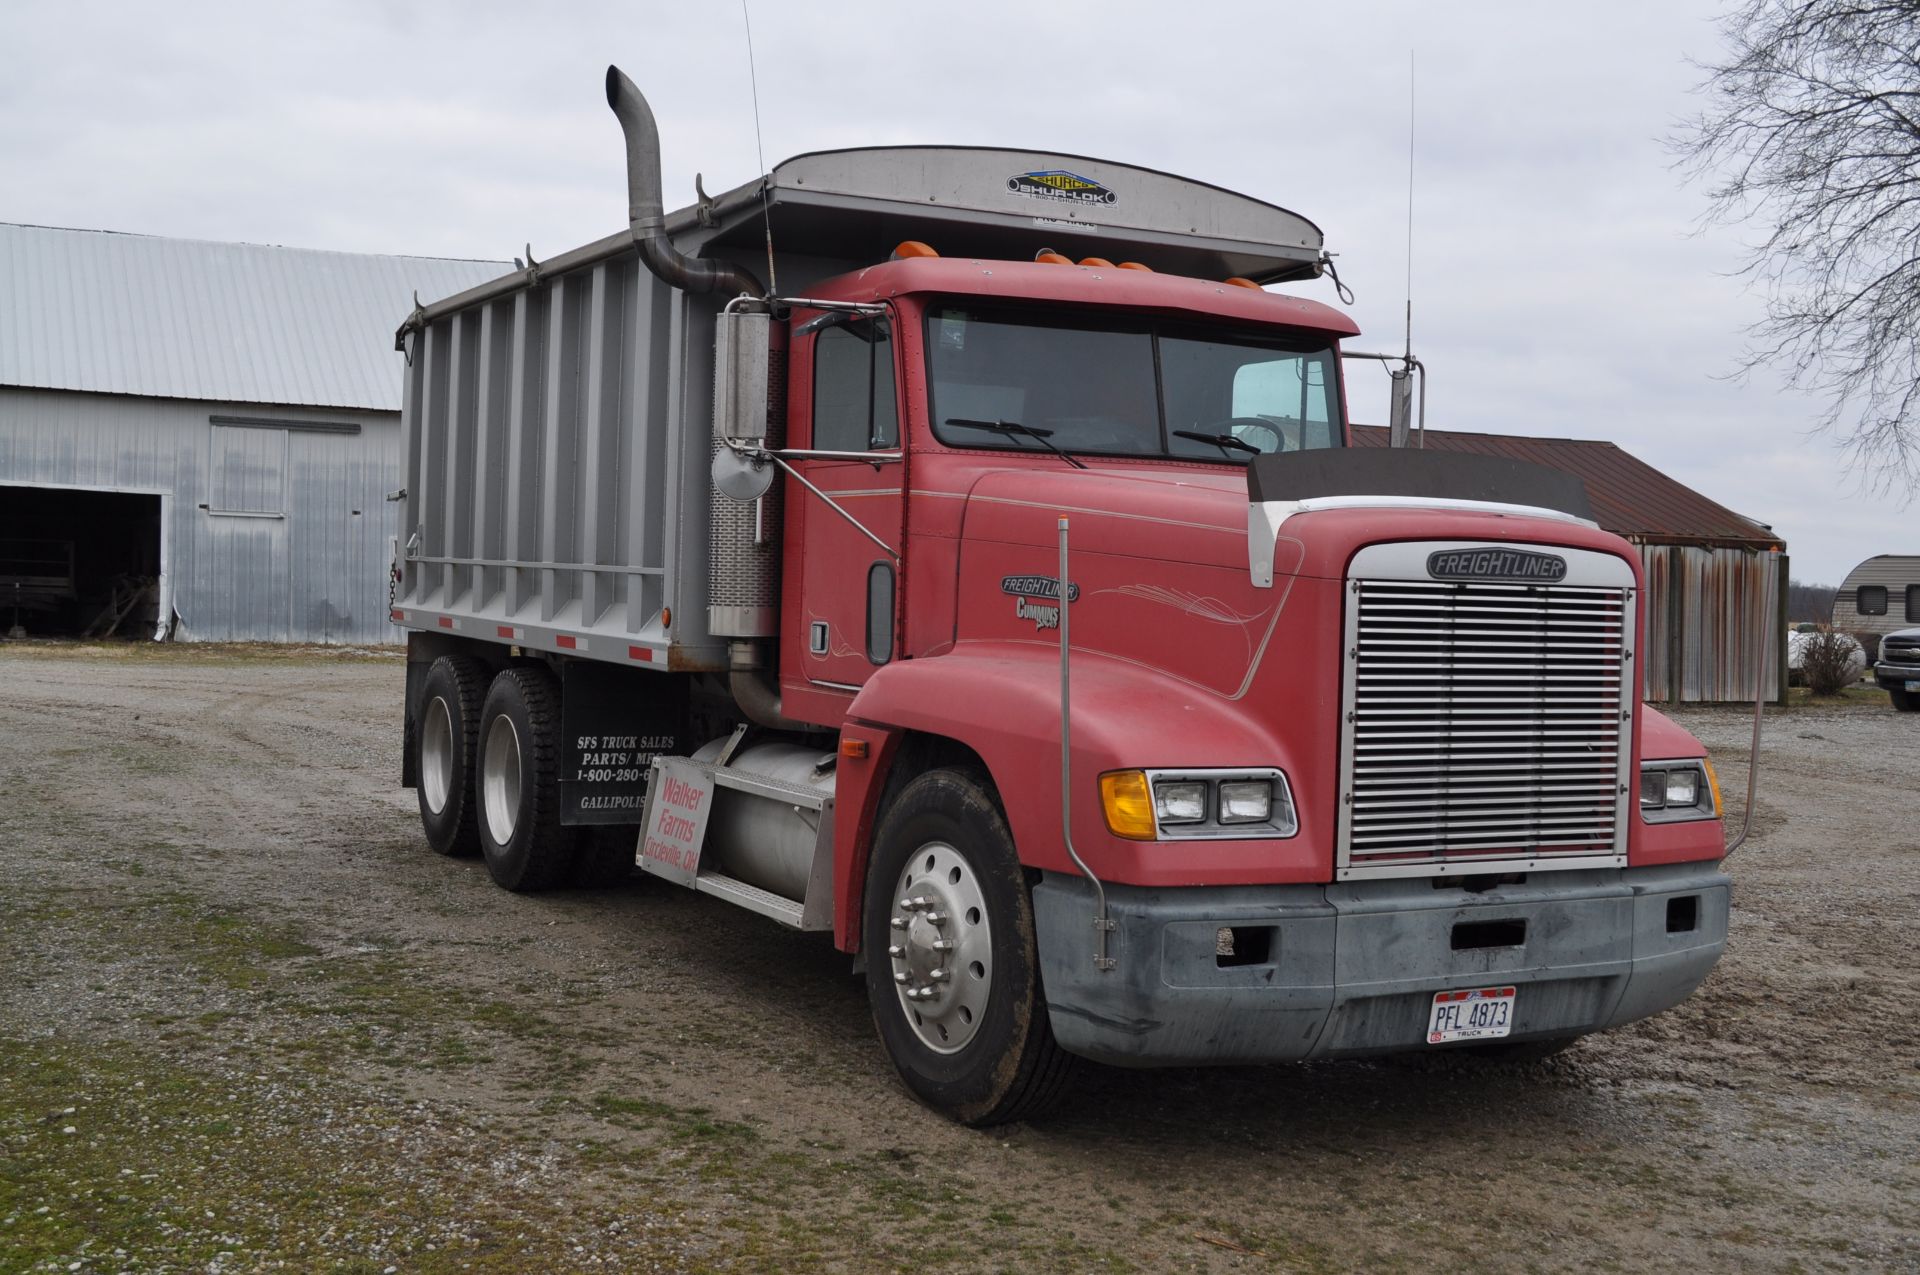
pixel 1812 131
pixel 1809 603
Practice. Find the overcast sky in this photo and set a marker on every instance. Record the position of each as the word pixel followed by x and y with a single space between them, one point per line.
pixel 1560 286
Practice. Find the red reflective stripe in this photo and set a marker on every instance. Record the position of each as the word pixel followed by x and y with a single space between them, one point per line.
pixel 505 631
pixel 446 622
pixel 568 642
pixel 640 653
pixel 400 615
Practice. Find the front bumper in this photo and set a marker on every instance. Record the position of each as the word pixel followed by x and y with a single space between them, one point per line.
pixel 1352 969
pixel 1896 677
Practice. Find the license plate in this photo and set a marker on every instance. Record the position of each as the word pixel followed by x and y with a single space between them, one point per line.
pixel 1484 1013
pixel 1913 686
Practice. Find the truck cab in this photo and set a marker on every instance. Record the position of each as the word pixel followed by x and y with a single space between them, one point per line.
pixel 1023 620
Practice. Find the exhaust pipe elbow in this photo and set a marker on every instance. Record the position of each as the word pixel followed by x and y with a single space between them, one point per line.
pixel 646 212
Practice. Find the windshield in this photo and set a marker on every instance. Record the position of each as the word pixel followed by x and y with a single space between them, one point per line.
pixel 1128 390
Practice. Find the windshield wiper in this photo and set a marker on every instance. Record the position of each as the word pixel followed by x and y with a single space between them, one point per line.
pixel 1015 427
pixel 1222 441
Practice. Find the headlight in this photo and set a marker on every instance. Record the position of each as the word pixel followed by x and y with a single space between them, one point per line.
pixel 1187 805
pixel 1675 791
pixel 1246 801
pixel 1179 801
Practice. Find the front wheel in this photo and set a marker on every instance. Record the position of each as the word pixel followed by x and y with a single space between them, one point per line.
pixel 1904 701
pixel 953 970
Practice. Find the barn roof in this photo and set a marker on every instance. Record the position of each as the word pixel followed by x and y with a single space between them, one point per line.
pixel 1630 497
pixel 229 322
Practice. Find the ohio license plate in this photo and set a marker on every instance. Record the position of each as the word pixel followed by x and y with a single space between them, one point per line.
pixel 1483 1013
pixel 1913 685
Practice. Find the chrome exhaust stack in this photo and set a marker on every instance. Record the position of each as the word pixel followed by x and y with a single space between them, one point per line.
pixel 646 212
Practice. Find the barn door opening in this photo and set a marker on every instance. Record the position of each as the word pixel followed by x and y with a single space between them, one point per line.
pixel 78 563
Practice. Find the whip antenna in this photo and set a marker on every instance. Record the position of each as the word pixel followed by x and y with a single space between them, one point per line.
pixel 1410 202
pixel 760 153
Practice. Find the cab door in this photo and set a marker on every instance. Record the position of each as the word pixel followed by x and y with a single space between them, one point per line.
pixel 847 607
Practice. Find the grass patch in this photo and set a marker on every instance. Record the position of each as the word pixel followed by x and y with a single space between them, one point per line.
pixel 114 1157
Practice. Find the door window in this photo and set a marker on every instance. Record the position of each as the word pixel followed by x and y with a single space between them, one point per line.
pixel 853 409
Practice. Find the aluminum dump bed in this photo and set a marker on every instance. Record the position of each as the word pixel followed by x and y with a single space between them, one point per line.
pixel 558 419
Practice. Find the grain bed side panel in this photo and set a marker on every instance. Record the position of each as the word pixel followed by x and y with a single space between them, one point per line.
pixel 556 444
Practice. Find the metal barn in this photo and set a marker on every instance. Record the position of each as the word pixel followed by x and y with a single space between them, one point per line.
pixel 197 439
pixel 1716 606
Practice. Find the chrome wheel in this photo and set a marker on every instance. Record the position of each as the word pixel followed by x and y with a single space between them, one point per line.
pixel 436 754
pixel 941 947
pixel 500 779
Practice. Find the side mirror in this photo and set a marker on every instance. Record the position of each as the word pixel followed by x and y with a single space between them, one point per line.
pixel 1400 407
pixel 741 378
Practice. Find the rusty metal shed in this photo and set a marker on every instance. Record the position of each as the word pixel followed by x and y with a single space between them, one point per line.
pixel 1716 581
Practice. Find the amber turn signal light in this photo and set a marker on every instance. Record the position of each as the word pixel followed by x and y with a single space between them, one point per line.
pixel 1713 782
pixel 913 248
pixel 1128 803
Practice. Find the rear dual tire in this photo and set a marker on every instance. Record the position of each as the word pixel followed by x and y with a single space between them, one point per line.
pixel 488 784
pixel 518 783
pixel 446 728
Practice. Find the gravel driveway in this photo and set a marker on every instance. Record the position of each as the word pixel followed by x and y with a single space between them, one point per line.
pixel 249 1022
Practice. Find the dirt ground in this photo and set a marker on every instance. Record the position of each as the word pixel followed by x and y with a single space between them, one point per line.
pixel 249 1022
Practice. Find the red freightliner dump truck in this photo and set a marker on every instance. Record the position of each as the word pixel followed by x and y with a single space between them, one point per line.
pixel 1028 626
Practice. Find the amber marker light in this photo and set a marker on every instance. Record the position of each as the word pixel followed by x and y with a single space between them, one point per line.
pixel 1128 804
pixel 1238 282
pixel 666 617
pixel 1134 265
pixel 1048 256
pixel 1096 261
pixel 856 749
pixel 1713 783
pixel 912 248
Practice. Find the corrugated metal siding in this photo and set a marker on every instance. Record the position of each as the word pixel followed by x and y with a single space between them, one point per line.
pixel 315 573
pixel 182 318
pixel 1892 571
pixel 1730 609
pixel 558 450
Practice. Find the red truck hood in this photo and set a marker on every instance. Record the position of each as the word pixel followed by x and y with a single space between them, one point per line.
pixel 1200 517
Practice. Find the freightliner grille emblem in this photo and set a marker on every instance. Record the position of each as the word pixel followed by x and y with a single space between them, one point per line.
pixel 1496 564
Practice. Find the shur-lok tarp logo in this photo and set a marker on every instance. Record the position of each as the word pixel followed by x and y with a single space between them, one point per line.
pixel 1058 183
pixel 1496 564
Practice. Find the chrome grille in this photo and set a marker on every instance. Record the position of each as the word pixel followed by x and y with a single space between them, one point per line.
pixel 1485 722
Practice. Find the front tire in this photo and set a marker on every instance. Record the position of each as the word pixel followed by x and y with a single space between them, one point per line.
pixel 517 783
pixel 953 969
pixel 1904 701
pixel 446 729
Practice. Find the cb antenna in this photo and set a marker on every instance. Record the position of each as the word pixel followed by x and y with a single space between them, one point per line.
pixel 760 153
pixel 1410 119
